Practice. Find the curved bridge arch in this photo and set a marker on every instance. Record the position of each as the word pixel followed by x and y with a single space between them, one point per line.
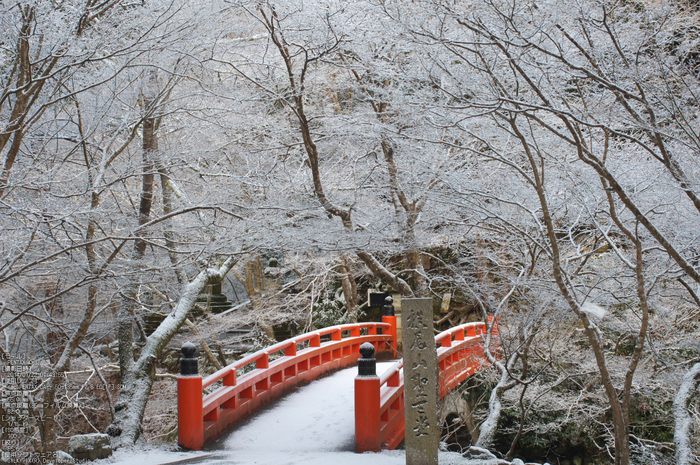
pixel 274 371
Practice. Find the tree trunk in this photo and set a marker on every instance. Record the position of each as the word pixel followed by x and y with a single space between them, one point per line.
pixel 254 284
pixel 487 430
pixel 622 449
pixel 138 380
pixel 682 418
pixel 387 276
pixel 48 427
pixel 130 294
pixel 349 289
pixel 168 188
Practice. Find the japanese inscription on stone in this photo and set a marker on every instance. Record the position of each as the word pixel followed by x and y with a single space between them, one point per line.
pixel 420 382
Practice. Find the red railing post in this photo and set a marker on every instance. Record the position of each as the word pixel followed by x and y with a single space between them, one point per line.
pixel 263 362
pixel 393 341
pixel 291 350
pixel 390 317
pixel 190 424
pixel 367 402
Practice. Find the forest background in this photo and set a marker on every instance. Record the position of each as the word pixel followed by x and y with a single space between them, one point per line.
pixel 536 160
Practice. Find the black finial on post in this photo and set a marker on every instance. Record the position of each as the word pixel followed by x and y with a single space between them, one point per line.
pixel 367 365
pixel 389 306
pixel 188 362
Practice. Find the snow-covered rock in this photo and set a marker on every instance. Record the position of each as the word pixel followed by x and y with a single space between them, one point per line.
pixel 90 446
pixel 64 458
pixel 479 453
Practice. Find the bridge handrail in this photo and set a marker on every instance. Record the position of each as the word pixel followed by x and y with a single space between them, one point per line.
pixel 443 350
pixel 459 333
pixel 289 346
pixel 449 344
pixel 391 371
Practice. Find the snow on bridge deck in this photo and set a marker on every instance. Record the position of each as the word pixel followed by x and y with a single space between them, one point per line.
pixel 313 425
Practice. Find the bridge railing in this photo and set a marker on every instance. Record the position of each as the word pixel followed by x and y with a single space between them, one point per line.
pixel 460 354
pixel 255 380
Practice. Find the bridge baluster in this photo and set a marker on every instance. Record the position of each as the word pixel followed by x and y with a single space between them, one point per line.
pixel 291 350
pixel 230 378
pixel 389 317
pixel 189 401
pixel 367 402
pixel 263 361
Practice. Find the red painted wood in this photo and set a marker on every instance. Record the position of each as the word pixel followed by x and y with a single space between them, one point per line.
pixel 189 412
pixel 391 320
pixel 460 355
pixel 366 418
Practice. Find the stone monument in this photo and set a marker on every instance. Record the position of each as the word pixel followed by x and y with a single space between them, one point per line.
pixel 420 382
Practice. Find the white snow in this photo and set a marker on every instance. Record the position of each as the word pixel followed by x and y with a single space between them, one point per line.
pixel 138 456
pixel 305 426
pixel 594 310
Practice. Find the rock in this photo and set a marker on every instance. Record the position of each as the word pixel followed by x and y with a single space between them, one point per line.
pixel 90 446
pixel 64 458
pixel 477 453
pixel 578 461
pixel 113 430
pixel 518 462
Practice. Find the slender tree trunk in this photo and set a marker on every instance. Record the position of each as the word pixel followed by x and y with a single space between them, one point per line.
pixel 387 276
pixel 487 430
pixel 349 288
pixel 413 256
pixel 48 426
pixel 622 450
pixel 643 303
pixel 682 418
pixel 31 86
pixel 130 293
pixel 254 281
pixel 168 189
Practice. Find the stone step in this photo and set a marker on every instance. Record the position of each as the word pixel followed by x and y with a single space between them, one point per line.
pixel 213 298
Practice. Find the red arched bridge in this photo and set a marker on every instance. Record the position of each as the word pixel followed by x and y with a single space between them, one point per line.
pixel 246 385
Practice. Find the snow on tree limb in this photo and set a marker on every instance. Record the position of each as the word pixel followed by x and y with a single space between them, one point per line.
pixel 138 380
pixel 683 420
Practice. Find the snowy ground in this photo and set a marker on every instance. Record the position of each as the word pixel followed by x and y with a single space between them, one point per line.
pixel 311 426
